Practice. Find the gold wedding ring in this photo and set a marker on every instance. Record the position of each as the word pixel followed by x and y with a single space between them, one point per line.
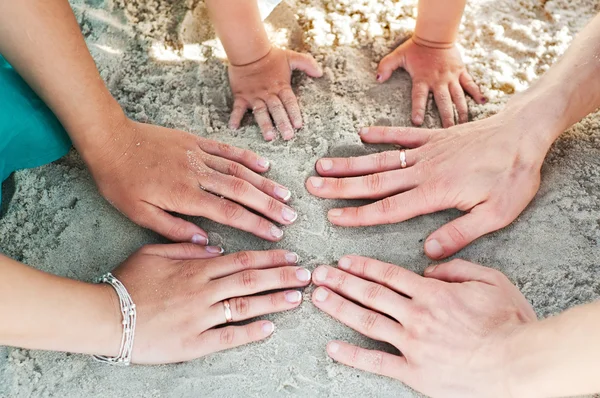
pixel 402 159
pixel 227 308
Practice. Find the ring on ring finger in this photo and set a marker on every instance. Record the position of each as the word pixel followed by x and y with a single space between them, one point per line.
pixel 402 159
pixel 227 309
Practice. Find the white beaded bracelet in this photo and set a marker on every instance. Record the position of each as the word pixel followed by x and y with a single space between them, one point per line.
pixel 128 312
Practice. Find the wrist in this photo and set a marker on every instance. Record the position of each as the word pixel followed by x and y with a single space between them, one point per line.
pixel 522 360
pixel 439 45
pixel 107 329
pixel 251 59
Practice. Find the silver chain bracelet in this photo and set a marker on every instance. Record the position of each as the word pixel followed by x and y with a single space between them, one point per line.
pixel 128 312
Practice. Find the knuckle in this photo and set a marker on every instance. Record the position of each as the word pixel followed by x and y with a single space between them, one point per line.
pixel 380 160
pixel 340 308
pixel 385 205
pixel 242 305
pixel 373 292
pixel 390 273
pixel 456 234
pixel 248 279
pixel 369 320
pixel 178 230
pixel 231 210
pixel 224 148
pixel 373 182
pixel 227 335
pixel 284 277
pixel 354 355
pixel 272 205
pixel 240 187
pixel 234 169
pixel 350 163
pixel 243 260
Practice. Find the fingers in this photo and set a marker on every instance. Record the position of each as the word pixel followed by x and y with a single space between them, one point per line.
pixel 262 117
pixel 458 97
pixel 371 186
pixel 238 155
pixel 460 232
pixel 305 63
pixel 466 81
pixel 361 165
pixel 214 340
pixel 405 136
pixel 240 261
pixel 388 65
pixel 240 107
pixel 378 362
pixel 444 105
pixel 171 227
pixel 292 107
pixel 396 278
pixel 280 116
pixel 458 271
pixel 420 95
pixel 183 251
pixel 369 294
pixel 252 281
pixel 370 323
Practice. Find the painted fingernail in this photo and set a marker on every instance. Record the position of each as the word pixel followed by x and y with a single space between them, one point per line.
pixel 378 78
pixel 321 274
pixel 200 239
pixel 316 182
pixel 429 270
pixel 264 163
pixel 289 214
pixel 283 193
pixel 293 297
pixel 292 258
pixel 326 164
pixel 333 347
pixel 303 274
pixel 363 131
pixel 276 232
pixel 484 100
pixel 268 328
pixel 344 263
pixel 321 294
pixel 215 249
pixel 434 249
pixel 335 212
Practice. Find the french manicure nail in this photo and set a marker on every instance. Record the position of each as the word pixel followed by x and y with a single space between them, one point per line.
pixel 303 274
pixel 292 258
pixel 276 232
pixel 215 249
pixel 283 193
pixel 321 294
pixel 293 297
pixel 264 163
pixel 429 270
pixel 333 347
pixel 268 328
pixel 316 182
pixel 321 274
pixel 345 263
pixel 335 212
pixel 434 249
pixel 326 164
pixel 363 131
pixel 289 214
pixel 200 239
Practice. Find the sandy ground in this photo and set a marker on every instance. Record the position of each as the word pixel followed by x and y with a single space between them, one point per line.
pixel 57 221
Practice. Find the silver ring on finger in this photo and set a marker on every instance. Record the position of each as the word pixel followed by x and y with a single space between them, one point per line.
pixel 402 159
pixel 227 309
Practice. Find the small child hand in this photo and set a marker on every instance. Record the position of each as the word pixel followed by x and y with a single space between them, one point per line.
pixel 265 87
pixel 440 70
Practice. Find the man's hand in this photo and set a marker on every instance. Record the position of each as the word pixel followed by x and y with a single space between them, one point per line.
pixel 440 70
pixel 264 87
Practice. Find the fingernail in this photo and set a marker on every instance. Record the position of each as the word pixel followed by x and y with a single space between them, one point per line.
pixel 316 182
pixel 326 164
pixel 276 232
pixel 270 135
pixel 268 328
pixel 429 270
pixel 200 239
pixel 283 193
pixel 215 249
pixel 289 214
pixel 293 297
pixel 264 163
pixel 303 274
pixel 321 294
pixel 321 274
pixel 292 258
pixel 345 263
pixel 434 249
pixel 484 100
pixel 378 78
pixel 335 212
pixel 364 131
pixel 417 120
pixel 333 347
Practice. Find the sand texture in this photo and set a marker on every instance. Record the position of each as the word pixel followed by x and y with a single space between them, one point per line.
pixel 160 60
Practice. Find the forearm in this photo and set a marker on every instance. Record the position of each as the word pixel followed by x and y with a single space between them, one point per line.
pixel 438 22
pixel 42 41
pixel 559 356
pixel 239 27
pixel 43 311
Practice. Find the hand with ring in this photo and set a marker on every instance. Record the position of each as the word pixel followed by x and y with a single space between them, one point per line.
pixel 182 291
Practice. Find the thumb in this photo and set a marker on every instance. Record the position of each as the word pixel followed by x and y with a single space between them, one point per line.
pixel 458 233
pixel 171 227
pixel 306 63
pixel 388 65
pixel 458 271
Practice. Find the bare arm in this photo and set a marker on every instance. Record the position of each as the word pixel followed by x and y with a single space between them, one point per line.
pixel 438 22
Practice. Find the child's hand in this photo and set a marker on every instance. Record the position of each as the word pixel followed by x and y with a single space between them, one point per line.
pixel 440 70
pixel 265 87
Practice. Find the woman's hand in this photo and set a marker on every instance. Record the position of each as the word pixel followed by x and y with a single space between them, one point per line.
pixel 489 169
pixel 148 171
pixel 264 87
pixel 440 70
pixel 454 327
pixel 179 290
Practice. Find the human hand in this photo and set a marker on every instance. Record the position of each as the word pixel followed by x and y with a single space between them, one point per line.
pixel 265 87
pixel 440 70
pixel 489 169
pixel 179 290
pixel 454 327
pixel 147 171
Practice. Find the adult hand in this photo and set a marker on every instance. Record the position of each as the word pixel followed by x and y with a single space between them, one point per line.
pixel 265 87
pixel 179 290
pixel 147 171
pixel 454 327
pixel 489 169
pixel 440 70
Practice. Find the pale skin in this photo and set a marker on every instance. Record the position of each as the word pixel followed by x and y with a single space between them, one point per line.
pixel 473 167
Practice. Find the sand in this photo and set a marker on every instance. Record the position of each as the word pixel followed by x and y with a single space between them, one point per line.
pixel 160 60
